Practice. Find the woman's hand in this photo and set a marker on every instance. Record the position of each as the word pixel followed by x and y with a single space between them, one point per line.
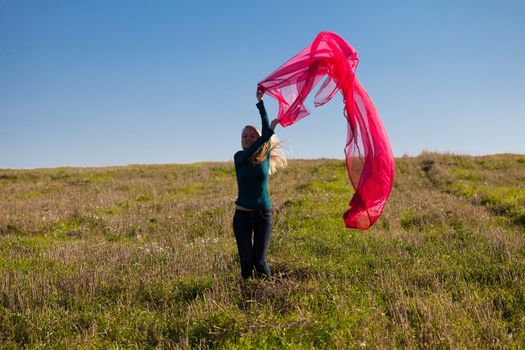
pixel 259 93
pixel 274 123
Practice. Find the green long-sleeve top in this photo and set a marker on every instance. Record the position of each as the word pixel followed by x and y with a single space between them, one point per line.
pixel 252 179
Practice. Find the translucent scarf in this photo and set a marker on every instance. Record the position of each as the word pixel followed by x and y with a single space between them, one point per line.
pixel 369 158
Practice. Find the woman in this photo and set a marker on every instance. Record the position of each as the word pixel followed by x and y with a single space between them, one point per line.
pixel 260 156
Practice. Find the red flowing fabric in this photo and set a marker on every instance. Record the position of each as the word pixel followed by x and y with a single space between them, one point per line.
pixel 369 158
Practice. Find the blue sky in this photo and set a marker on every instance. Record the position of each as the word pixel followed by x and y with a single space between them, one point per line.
pixel 95 83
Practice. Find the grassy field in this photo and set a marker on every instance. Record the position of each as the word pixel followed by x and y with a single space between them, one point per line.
pixel 144 257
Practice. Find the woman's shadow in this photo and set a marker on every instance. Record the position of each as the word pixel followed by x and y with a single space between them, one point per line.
pixel 274 292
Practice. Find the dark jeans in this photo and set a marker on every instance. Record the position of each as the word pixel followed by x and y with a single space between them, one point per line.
pixel 252 253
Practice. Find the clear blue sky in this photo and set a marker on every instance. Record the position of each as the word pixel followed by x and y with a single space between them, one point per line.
pixel 98 82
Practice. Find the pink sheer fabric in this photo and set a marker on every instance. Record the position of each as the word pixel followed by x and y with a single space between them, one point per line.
pixel 369 158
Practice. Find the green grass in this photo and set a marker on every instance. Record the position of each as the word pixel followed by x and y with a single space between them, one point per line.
pixel 144 257
pixel 494 182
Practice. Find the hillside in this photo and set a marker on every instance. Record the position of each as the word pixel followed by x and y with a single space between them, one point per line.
pixel 144 256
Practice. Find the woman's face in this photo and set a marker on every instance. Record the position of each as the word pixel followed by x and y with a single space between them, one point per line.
pixel 249 135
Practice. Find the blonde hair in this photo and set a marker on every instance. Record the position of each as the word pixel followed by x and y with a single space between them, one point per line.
pixel 276 149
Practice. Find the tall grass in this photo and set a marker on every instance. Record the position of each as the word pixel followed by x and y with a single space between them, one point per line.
pixel 144 257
